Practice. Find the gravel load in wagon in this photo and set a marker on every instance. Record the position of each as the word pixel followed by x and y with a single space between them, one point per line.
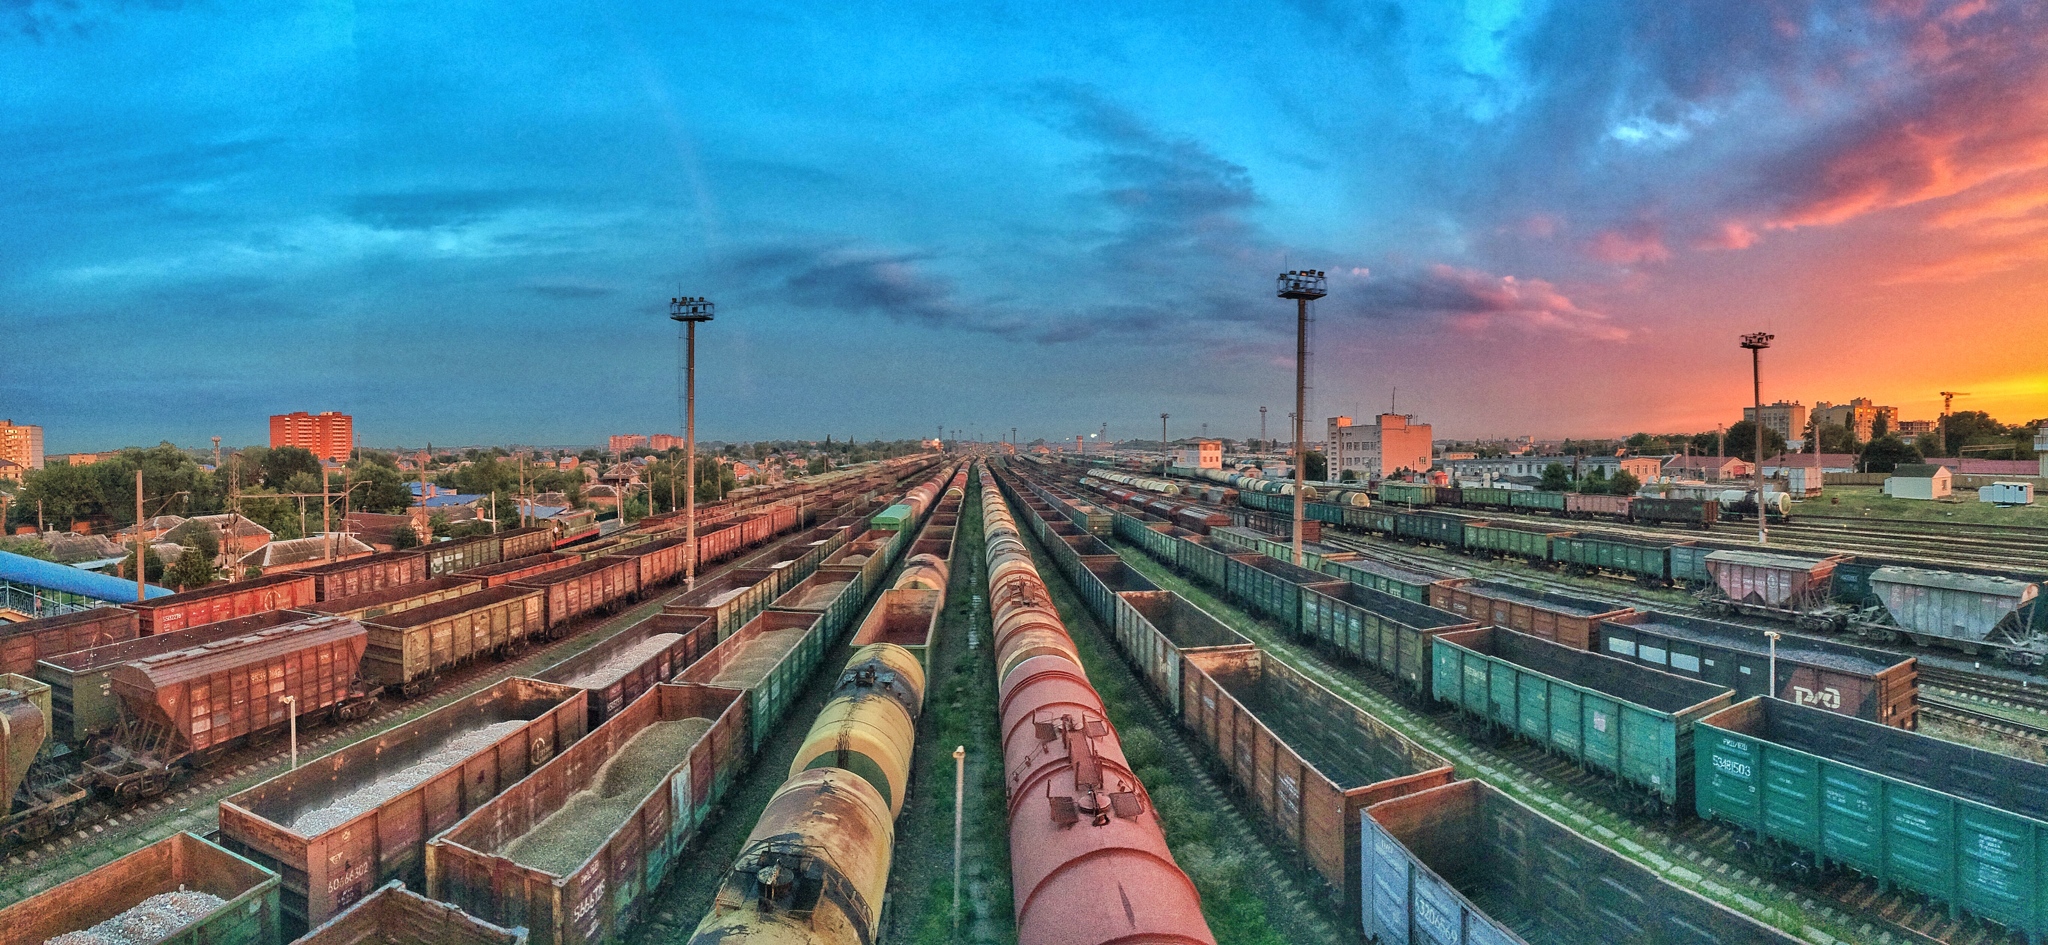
pixel 573 834
pixel 816 598
pixel 448 754
pixel 151 920
pixel 609 672
pixel 755 661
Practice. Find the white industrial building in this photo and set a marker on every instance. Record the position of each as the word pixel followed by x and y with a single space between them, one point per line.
pixel 1391 444
pixel 1919 481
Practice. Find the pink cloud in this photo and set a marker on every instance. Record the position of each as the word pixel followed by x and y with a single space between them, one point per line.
pixel 1638 244
pixel 1478 302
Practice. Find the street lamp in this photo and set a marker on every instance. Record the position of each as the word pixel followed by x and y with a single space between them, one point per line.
pixel 691 312
pixel 1756 342
pixel 291 703
pixel 1303 286
pixel 1773 636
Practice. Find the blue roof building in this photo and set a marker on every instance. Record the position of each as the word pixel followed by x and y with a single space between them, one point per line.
pixel 43 588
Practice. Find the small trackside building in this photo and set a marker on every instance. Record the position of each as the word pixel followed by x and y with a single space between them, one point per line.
pixel 1919 481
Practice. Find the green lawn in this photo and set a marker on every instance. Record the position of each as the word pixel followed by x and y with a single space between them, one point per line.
pixel 1869 502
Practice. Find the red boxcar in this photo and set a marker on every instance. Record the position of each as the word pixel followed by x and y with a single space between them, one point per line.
pixel 584 589
pixel 520 542
pixel 368 573
pixel 21 644
pixel 659 561
pixel 213 603
pixel 508 571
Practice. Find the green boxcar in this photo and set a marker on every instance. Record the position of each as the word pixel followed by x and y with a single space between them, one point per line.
pixel 1489 497
pixel 1388 633
pixel 1324 512
pixel 1369 519
pixel 1648 559
pixel 1960 824
pixel 1204 560
pixel 770 690
pixel 1407 493
pixel 1265 502
pixel 1537 501
pixel 1439 528
pixel 895 518
pixel 1689 564
pixel 1386 578
pixel 1242 539
pixel 1501 539
pixel 1610 715
pixel 834 595
pixel 1102 579
pixel 1272 588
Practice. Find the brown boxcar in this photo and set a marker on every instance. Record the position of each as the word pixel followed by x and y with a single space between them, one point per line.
pixel 181 861
pixel 613 682
pixel 82 686
pixel 394 915
pixel 342 854
pixel 1153 629
pixel 659 561
pixel 522 542
pixel 218 602
pixel 397 599
pixel 461 554
pixel 208 697
pixel 409 650
pixel 730 599
pixel 513 569
pixel 22 644
pixel 1873 685
pixel 365 574
pixel 599 898
pixel 1555 617
pixel 584 589
pixel 907 617
pixel 1308 760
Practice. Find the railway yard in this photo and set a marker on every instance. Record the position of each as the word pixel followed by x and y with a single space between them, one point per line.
pixel 1445 724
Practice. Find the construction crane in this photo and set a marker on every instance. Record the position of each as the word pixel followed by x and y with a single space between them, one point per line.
pixel 1949 396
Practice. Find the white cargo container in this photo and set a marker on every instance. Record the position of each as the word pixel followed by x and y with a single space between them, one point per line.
pixel 2007 493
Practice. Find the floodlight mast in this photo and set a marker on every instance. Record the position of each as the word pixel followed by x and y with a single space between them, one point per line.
pixel 690 312
pixel 1756 342
pixel 1303 286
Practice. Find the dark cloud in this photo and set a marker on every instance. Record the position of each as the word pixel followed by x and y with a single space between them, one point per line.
pixel 432 209
pixel 1475 301
pixel 45 20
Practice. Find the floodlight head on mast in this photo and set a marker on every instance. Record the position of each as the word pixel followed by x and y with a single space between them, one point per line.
pixel 1757 341
pixel 687 309
pixel 1303 284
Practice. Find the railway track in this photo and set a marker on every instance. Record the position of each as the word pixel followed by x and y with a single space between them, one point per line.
pixel 1970 715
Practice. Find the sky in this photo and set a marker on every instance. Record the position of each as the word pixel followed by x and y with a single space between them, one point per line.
pixel 463 221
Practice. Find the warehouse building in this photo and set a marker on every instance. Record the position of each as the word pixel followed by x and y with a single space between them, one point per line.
pixel 1394 443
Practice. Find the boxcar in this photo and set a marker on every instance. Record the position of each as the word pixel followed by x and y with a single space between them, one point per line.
pixel 397 598
pixel 1839 677
pixel 1556 617
pixel 1433 528
pixel 1552 502
pixel 524 542
pixel 461 554
pixel 729 600
pixel 906 617
pixel 1611 715
pixel 584 589
pixel 481 866
pixel 22 644
pixel 1509 540
pixel 247 914
pixel 332 846
pixel 1960 824
pixel 81 682
pixel 1388 633
pixel 1309 761
pixel 394 915
pixel 1380 576
pixel 1207 561
pixel 1428 857
pixel 617 671
pixel 1646 559
pixel 1274 589
pixel 513 569
pixel 1407 493
pixel 409 650
pixel 1699 513
pixel 1590 505
pixel 365 574
pixel 1153 629
pixel 833 595
pixel 217 602
pixel 1487 497
pixel 771 659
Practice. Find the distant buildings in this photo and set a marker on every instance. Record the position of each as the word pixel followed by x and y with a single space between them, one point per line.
pixel 328 434
pixel 1858 416
pixel 1394 443
pixel 1205 454
pixel 625 442
pixel 22 445
pixel 1706 468
pixel 1788 417
pixel 1826 462
pixel 663 442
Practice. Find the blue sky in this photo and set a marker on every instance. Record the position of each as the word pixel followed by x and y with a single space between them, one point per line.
pixel 462 221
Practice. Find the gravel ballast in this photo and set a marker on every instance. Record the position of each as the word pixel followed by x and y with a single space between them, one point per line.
pixel 757 659
pixel 147 922
pixel 451 753
pixel 624 661
pixel 572 835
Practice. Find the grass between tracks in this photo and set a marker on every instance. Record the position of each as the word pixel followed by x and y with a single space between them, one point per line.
pixel 1869 503
pixel 1675 860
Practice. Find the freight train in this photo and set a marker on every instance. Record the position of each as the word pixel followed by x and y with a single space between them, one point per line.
pixel 1666 706
pixel 1878 599
pixel 134 698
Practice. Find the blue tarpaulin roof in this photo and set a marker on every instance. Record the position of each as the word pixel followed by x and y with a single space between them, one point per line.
pixel 59 577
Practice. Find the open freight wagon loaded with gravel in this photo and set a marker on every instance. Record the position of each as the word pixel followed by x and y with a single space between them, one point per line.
pixel 180 890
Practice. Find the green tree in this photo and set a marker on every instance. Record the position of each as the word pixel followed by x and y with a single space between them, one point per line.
pixel 1969 428
pixel 26 547
pixel 192 569
pixel 404 537
pixel 66 493
pixel 1887 453
pixel 1705 444
pixel 1742 442
pixel 1556 478
pixel 153 567
pixel 284 462
pixel 818 465
pixel 1835 438
pixel 379 487
pixel 714 479
pixel 1624 483
pixel 1594 481
pixel 1315 467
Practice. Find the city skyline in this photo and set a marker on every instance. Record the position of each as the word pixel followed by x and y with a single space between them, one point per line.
pixel 1532 217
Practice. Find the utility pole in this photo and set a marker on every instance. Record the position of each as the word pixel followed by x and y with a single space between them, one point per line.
pixel 690 312
pixel 1166 454
pixel 141 565
pixel 326 526
pixel 1303 286
pixel 1756 342
pixel 1262 428
pixel 216 454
